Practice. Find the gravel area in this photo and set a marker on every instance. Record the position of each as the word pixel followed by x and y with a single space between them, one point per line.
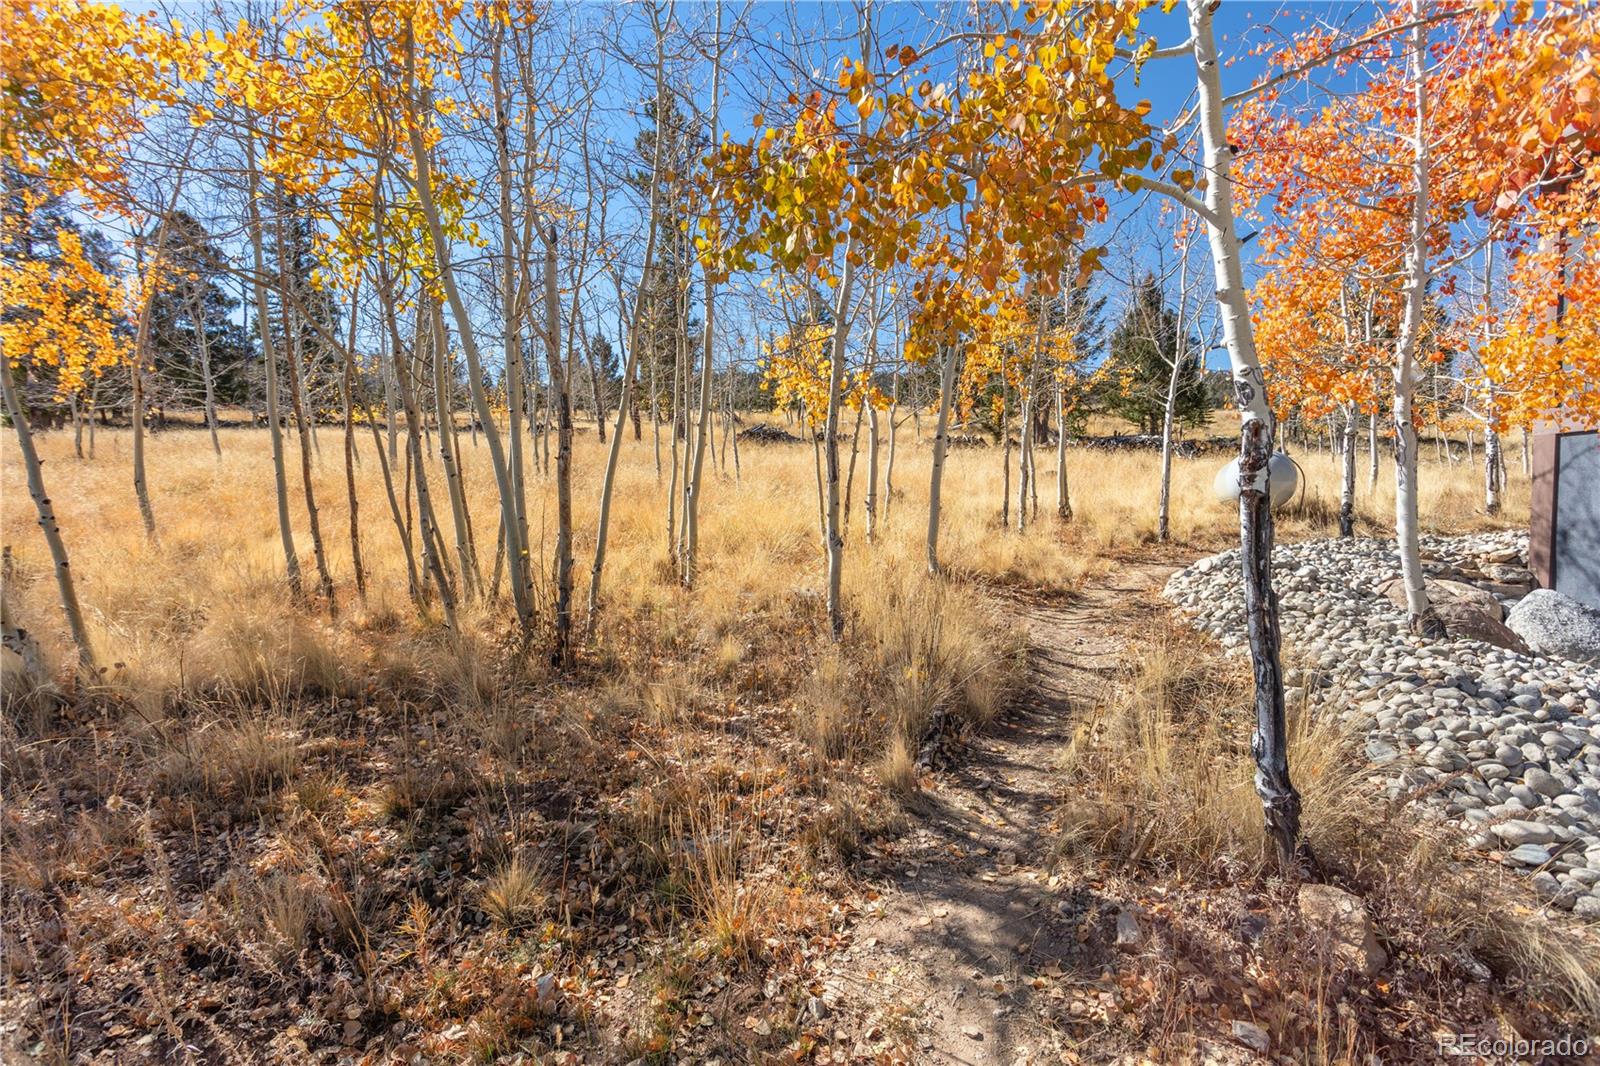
pixel 1502 742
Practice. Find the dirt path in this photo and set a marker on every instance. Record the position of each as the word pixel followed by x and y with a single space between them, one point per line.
pixel 970 915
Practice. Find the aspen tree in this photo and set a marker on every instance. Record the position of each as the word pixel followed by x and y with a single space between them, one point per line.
pixel 1180 357
pixel 347 402
pixel 203 348
pixel 713 238
pixel 289 321
pixel 1421 616
pixel 423 175
pixel 443 378
pixel 269 353
pixel 941 442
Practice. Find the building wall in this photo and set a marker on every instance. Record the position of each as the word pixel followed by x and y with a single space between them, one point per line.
pixel 1565 536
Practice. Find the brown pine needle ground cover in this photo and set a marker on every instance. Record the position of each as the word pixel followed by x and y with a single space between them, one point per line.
pixel 266 834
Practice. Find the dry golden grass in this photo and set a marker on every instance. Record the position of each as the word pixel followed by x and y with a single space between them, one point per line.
pixel 205 605
pixel 1163 774
pixel 513 897
pixel 429 807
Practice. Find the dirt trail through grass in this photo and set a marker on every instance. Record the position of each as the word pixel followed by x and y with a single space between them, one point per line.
pixel 944 962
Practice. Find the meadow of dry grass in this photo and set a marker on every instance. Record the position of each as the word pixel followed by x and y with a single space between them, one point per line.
pixel 195 606
pixel 267 828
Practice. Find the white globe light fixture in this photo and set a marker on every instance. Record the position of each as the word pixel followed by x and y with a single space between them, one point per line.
pixel 1283 477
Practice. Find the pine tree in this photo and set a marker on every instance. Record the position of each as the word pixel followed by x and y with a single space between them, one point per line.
pixel 197 296
pixel 1143 347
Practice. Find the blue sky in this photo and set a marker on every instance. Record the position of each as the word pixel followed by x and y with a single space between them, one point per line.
pixel 823 32
pixel 1167 83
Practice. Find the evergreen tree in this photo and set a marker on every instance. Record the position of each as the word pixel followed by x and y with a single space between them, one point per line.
pixel 668 328
pixel 293 265
pixel 1143 348
pixel 197 297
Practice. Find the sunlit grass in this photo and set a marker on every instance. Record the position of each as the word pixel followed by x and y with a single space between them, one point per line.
pixel 206 603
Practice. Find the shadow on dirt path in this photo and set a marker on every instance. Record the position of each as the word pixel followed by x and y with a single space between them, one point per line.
pixel 970 913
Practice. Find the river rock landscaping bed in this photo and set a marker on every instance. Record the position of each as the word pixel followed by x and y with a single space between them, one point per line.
pixel 1474 729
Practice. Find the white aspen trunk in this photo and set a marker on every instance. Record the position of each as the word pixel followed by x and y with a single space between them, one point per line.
pixel 298 407
pixel 1024 444
pixel 1063 498
pixel 433 566
pixel 1005 449
pixel 1033 482
pixel 1347 474
pixel 1372 451
pixel 1025 470
pixel 402 530
pixel 1164 509
pixel 513 538
pixel 442 377
pixel 888 464
pixel 869 498
pixel 679 345
pixel 561 394
pixel 685 422
pixel 630 368
pixel 727 424
pixel 850 470
pixel 870 501
pixel 1420 615
pixel 269 354
pixel 1270 743
pixel 1493 460
pixel 306 411
pixel 691 487
pixel 141 346
pixel 733 433
pixel 204 343
pixel 347 402
pixel 390 408
pixel 711 429
pixel 947 388
pixel 509 502
pixel 594 386
pixel 835 528
pixel 141 486
pixel 1493 467
pixel 816 463
pixel 655 404
pixel 695 456
pixel 34 467
pixel 1347 433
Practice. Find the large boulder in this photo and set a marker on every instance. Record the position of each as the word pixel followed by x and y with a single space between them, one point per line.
pixel 1443 591
pixel 1470 620
pixel 1555 624
pixel 1468 612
